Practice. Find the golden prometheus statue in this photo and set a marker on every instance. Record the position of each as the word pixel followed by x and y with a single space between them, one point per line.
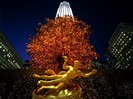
pixel 60 86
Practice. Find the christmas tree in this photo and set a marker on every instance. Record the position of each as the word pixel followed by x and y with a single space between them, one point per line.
pixel 62 36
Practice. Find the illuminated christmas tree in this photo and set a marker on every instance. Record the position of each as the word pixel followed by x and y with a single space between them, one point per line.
pixel 65 35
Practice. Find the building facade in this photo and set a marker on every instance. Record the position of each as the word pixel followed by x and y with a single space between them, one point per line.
pixel 9 58
pixel 64 10
pixel 120 47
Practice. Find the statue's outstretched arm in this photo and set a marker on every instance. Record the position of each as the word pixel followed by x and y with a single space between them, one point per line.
pixel 65 62
pixel 91 73
pixel 88 74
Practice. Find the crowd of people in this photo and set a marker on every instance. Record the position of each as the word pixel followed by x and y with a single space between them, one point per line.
pixel 2 88
pixel 94 87
pixel 125 89
pixel 22 89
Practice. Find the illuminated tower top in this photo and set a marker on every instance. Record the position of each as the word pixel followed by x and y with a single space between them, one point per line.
pixel 64 9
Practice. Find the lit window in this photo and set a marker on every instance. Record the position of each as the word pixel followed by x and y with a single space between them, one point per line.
pixel 129 39
pixel 6 49
pixel 113 50
pixel 0 46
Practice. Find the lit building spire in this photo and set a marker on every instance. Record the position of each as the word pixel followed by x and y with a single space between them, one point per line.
pixel 64 9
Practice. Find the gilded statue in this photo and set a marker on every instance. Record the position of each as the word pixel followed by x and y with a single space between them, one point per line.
pixel 53 81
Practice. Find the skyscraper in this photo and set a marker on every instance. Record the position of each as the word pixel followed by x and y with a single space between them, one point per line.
pixel 120 49
pixel 64 10
pixel 9 58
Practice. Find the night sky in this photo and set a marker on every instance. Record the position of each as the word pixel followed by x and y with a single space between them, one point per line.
pixel 19 18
